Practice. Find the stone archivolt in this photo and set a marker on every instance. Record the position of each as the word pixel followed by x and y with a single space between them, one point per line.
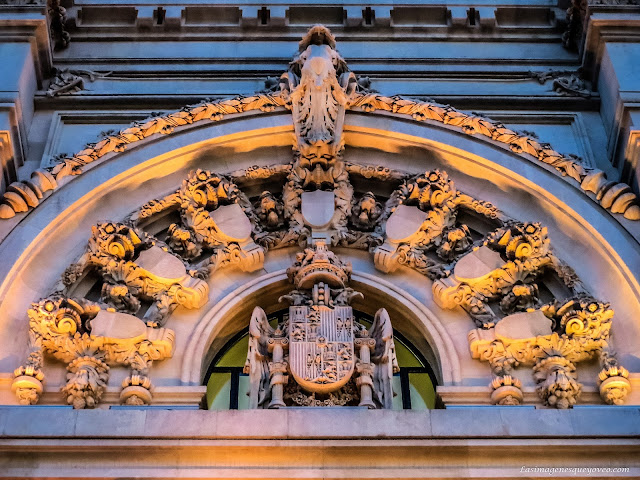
pixel 321 355
pixel 318 88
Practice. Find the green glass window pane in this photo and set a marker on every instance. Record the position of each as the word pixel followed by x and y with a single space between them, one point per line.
pixel 236 355
pixel 218 389
pixel 405 357
pixel 423 395
pixel 397 389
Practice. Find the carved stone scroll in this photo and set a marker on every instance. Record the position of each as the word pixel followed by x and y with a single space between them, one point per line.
pixel 421 217
pixel 88 339
pixel 216 217
pixel 136 267
pixel 504 268
pixel 551 340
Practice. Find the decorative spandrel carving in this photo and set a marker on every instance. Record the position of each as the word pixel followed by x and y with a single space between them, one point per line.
pixel 421 217
pixel 321 355
pixel 578 330
pixel 321 348
pixel 88 338
pixel 503 269
pixel 216 218
pixel 136 267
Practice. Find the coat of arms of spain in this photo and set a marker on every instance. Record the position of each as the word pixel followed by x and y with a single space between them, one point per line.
pixel 320 350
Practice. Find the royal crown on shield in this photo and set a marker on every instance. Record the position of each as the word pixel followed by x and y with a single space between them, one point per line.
pixel 321 347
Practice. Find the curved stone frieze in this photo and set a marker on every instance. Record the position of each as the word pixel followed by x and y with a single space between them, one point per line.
pixel 318 89
pixel 419 219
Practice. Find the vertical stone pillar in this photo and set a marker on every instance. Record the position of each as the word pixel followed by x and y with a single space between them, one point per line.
pixel 277 371
pixel 365 371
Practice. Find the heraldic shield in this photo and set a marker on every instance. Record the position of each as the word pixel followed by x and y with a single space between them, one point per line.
pixel 321 346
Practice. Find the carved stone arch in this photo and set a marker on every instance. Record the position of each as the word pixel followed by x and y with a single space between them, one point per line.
pixel 156 167
pixel 231 314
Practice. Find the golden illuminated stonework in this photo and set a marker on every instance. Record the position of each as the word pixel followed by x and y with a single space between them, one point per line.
pixel 469 253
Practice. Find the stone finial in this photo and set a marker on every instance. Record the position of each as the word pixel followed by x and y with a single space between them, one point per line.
pixel 319 264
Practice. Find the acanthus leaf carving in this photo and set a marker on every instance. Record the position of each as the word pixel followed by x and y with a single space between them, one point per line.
pixel 578 330
pixel 620 199
pixel 216 217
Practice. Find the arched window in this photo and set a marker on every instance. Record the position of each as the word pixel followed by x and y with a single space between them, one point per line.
pixel 227 385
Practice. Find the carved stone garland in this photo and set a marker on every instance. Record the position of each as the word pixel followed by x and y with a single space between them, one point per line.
pixel 321 350
pixel 318 88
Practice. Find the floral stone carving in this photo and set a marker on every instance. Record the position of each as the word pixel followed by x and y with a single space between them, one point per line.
pixel 136 267
pixel 421 216
pixel 88 338
pixel 551 340
pixel 215 217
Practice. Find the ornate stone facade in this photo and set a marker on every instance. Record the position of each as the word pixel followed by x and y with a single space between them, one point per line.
pixel 321 348
pixel 375 251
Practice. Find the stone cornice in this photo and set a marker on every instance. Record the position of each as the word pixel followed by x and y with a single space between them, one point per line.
pixel 28 24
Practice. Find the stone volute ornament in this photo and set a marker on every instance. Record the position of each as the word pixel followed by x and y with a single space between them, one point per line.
pixel 320 355
pixel 88 338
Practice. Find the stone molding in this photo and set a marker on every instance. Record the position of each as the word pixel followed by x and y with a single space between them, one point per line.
pixel 613 196
pixel 334 443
